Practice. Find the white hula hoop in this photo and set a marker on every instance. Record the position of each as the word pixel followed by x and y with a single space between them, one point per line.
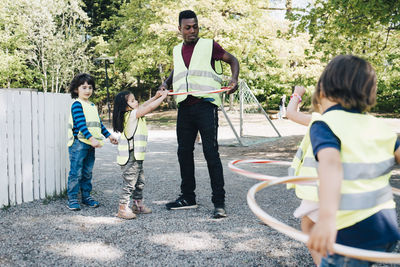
pixel 361 254
pixel 255 175
pixel 223 89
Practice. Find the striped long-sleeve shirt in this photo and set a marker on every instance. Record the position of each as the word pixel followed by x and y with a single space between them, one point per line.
pixel 80 122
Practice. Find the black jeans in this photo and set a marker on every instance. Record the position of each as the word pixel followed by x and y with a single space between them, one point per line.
pixel 201 117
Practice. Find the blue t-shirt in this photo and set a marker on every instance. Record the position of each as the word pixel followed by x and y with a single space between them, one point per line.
pixel 376 230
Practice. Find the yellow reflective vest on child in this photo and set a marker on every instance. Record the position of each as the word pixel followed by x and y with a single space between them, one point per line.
pixel 92 123
pixel 304 164
pixel 367 158
pixel 139 141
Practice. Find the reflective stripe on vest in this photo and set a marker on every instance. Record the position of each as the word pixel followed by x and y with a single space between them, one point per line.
pixel 92 123
pixel 367 158
pixel 299 167
pixel 139 142
pixel 200 76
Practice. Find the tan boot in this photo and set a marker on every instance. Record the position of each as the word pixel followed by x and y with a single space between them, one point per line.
pixel 139 207
pixel 124 212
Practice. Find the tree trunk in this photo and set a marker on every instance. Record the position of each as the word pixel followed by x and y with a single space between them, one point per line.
pixel 288 7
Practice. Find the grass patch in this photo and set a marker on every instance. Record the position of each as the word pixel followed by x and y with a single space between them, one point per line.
pixel 49 199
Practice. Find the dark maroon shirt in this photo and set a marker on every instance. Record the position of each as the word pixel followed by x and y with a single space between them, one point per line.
pixel 187 52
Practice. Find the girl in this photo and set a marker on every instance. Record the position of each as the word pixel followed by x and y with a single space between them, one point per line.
pixel 85 134
pixel 304 164
pixel 355 152
pixel 128 119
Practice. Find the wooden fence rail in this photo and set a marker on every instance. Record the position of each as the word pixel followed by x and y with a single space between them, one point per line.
pixel 34 160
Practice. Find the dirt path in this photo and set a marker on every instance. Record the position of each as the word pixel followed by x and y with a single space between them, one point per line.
pixel 45 233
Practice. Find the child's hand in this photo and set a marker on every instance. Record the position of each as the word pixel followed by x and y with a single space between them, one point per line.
pixel 113 140
pixel 164 93
pixel 95 143
pixel 300 90
pixel 323 236
pixel 158 93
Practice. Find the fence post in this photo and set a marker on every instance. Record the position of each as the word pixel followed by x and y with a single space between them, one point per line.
pixel 3 148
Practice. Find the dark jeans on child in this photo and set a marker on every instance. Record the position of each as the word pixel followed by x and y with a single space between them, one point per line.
pixel 339 260
pixel 81 158
pixel 201 117
pixel 133 180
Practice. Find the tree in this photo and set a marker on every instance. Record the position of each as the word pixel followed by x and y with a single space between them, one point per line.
pixel 148 31
pixel 370 29
pixel 50 36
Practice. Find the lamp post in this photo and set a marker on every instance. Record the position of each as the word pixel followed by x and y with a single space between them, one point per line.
pixel 107 60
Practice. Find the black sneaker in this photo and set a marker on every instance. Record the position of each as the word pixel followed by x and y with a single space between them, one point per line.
pixel 219 213
pixel 181 203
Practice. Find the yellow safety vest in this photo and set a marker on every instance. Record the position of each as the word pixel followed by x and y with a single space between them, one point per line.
pixel 200 76
pixel 92 123
pixel 139 142
pixel 304 164
pixel 367 155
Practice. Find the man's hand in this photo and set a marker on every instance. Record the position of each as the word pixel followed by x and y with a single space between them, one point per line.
pixel 113 140
pixel 234 85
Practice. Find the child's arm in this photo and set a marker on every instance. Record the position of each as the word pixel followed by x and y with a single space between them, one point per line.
pixel 291 110
pixel 330 172
pixel 397 155
pixel 107 134
pixel 151 104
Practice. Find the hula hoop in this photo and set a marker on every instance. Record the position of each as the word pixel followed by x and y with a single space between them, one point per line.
pixel 223 89
pixel 254 175
pixel 361 254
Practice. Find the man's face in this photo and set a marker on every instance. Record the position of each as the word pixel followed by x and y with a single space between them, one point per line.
pixel 189 30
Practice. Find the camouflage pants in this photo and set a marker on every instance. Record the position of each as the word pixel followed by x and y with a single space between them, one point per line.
pixel 133 181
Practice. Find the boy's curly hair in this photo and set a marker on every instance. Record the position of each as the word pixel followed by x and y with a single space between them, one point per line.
pixel 78 80
pixel 349 81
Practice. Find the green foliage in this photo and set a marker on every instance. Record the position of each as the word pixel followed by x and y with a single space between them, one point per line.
pixel 49 199
pixel 148 31
pixel 42 43
pixel 370 29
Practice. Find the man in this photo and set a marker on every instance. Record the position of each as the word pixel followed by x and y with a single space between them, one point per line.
pixel 197 67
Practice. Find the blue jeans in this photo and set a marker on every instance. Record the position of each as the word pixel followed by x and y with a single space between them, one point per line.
pixel 81 157
pixel 339 260
pixel 201 117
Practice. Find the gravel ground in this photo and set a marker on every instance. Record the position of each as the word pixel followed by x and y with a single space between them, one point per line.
pixel 46 233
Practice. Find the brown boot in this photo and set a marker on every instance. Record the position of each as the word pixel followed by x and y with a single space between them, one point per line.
pixel 139 207
pixel 124 212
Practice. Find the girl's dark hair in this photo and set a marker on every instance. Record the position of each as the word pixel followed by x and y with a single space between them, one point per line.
pixel 120 104
pixel 349 81
pixel 78 80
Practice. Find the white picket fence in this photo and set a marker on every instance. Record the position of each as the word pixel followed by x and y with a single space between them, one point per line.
pixel 34 160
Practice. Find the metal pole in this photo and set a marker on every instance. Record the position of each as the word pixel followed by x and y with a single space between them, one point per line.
pixel 241 108
pixel 230 124
pixel 263 111
pixel 108 93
